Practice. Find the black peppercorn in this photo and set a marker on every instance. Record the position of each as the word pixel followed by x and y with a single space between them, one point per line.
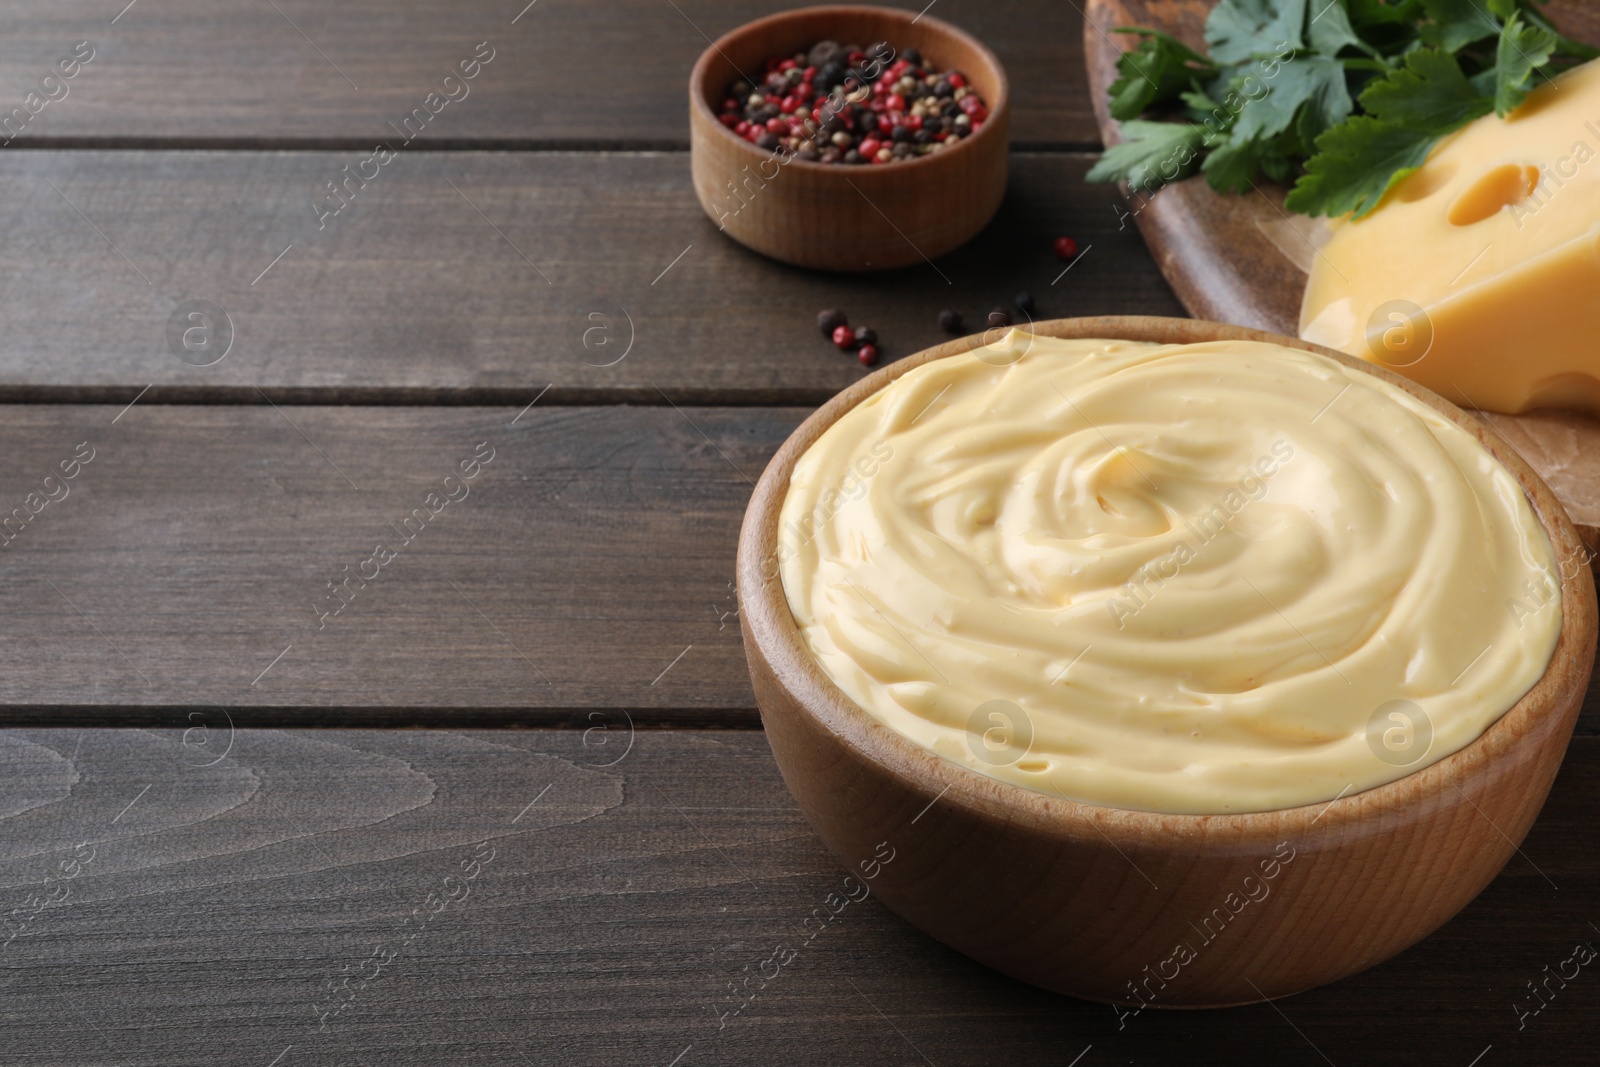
pixel 866 335
pixel 830 320
pixel 999 317
pixel 1024 303
pixel 822 53
pixel 950 320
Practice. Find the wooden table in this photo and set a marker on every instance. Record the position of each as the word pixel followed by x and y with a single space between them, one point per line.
pixel 511 803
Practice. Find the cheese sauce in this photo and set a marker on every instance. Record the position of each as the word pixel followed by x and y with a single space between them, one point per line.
pixel 1207 578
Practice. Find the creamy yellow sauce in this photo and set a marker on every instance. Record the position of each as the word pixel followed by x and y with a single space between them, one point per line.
pixel 1207 578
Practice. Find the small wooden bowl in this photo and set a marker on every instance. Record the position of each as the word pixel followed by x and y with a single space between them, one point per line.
pixel 1093 901
pixel 837 217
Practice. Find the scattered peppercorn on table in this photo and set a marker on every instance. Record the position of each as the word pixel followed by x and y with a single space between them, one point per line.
pixel 380 409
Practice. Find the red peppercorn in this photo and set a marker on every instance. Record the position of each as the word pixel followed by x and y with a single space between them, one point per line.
pixel 896 102
pixel 868 355
pixel 844 337
pixel 913 122
pixel 957 82
pixel 869 146
pixel 776 126
pixel 742 128
pixel 730 121
pixel 1066 248
pixel 787 65
pixel 730 104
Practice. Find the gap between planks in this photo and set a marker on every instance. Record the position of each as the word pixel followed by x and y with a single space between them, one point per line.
pixel 342 717
pixel 441 144
pixel 380 396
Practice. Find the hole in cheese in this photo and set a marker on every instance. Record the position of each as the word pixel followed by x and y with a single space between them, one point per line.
pixel 1508 184
pixel 1425 182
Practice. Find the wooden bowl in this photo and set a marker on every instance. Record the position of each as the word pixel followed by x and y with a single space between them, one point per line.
pixel 1093 901
pixel 837 217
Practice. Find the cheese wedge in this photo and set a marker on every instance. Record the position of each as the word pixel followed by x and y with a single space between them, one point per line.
pixel 1479 275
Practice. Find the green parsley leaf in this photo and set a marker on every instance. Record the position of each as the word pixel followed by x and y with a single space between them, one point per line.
pixel 1457 23
pixel 1153 154
pixel 1430 93
pixel 1330 31
pixel 1157 71
pixel 1522 50
pixel 1316 83
pixel 1239 30
pixel 1231 168
pixel 1567 48
pixel 1356 163
pixel 1215 116
pixel 1279 161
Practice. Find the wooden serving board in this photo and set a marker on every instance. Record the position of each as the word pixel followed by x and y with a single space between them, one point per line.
pixel 1240 259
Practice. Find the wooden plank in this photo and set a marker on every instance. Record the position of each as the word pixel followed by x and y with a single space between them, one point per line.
pixel 187 72
pixel 203 912
pixel 587 565
pixel 186 566
pixel 513 280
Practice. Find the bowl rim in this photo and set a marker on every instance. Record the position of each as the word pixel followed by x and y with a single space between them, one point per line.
pixel 771 626
pixel 999 109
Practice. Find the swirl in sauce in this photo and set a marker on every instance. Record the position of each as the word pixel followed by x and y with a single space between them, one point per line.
pixel 1208 578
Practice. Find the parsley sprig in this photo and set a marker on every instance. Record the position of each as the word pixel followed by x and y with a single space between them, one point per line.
pixel 1346 96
